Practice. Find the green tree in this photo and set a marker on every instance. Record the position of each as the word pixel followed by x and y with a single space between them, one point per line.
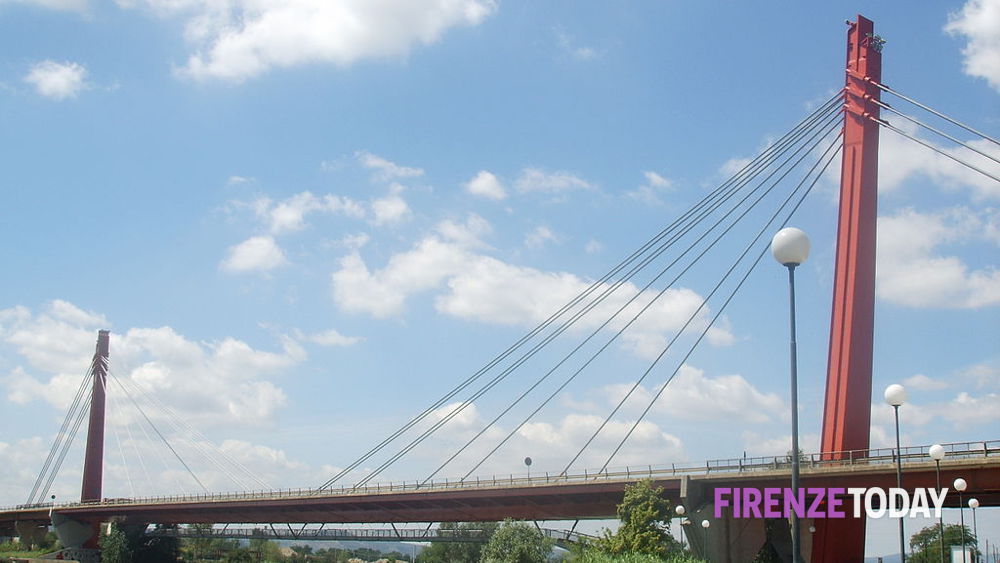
pixel 239 555
pixel 269 550
pixel 115 546
pixel 459 551
pixel 645 524
pixel 517 542
pixel 926 547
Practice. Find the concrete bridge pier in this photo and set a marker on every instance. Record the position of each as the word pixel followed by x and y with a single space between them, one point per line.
pixel 73 533
pixel 734 540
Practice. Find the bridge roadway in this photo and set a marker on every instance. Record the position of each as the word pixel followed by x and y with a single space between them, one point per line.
pixel 540 496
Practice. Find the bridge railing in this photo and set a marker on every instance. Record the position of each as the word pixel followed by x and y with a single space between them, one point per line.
pixel 849 458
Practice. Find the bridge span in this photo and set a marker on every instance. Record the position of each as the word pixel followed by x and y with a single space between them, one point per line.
pixel 583 495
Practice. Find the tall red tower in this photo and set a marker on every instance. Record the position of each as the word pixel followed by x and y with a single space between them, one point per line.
pixel 93 461
pixel 847 410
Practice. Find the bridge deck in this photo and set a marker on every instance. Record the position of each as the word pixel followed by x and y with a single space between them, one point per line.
pixel 540 497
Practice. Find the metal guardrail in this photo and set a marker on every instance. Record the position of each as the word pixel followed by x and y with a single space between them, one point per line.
pixel 358 534
pixel 844 459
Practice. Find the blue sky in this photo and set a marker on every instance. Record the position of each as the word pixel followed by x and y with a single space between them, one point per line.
pixel 305 221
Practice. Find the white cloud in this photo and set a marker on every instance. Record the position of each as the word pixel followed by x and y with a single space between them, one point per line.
pixel 486 184
pixel 332 338
pixel 540 236
pixel 242 39
pixel 650 191
pixel 901 159
pixel 694 396
pixel 979 22
pixel 386 170
pixel 983 375
pixel 733 165
pixel 239 180
pixel 921 382
pixel 390 209
pixel 759 446
pixel 57 81
pixel 593 247
pixel 550 444
pixel 965 411
pixel 289 215
pixel 468 234
pixel 221 382
pixel 254 254
pixel 478 287
pixel 912 273
pixel 534 180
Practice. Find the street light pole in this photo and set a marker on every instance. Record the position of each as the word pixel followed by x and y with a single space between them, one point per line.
pixel 974 504
pixel 937 454
pixel 960 486
pixel 790 247
pixel 895 395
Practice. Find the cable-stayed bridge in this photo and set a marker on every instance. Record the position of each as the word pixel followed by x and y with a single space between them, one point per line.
pixel 748 208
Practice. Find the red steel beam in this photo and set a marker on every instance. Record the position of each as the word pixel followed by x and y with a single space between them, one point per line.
pixel 847 410
pixel 93 462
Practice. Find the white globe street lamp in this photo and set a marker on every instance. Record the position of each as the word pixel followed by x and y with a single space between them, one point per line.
pixel 895 395
pixel 960 485
pixel 974 504
pixel 937 454
pixel 790 247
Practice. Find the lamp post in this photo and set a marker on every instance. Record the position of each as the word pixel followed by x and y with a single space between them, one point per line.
pixel 974 504
pixel 960 486
pixel 937 454
pixel 790 247
pixel 895 395
pixel 705 524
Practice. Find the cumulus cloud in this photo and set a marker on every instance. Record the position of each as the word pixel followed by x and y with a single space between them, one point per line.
pixel 901 159
pixel 982 375
pixel 57 81
pixel 912 271
pixel 225 381
pixel 921 382
pixel 979 23
pixel 550 443
pixel 535 180
pixel 761 446
pixel 486 184
pixel 475 286
pixel 962 411
pixel 386 170
pixel 289 215
pixel 239 40
pixel 256 254
pixel 649 192
pixel 694 396
pixel 389 210
pixel 331 338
